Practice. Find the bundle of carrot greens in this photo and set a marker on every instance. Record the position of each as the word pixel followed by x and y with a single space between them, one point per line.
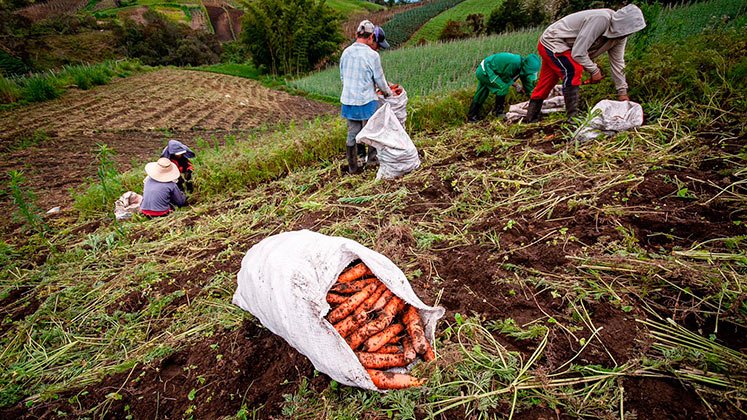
pixel 383 330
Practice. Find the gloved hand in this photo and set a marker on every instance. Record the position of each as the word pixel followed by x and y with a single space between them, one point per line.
pixel 519 88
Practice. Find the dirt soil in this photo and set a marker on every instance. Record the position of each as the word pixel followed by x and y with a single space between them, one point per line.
pixel 134 116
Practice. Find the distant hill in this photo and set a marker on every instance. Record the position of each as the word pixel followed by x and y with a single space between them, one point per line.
pixel 433 28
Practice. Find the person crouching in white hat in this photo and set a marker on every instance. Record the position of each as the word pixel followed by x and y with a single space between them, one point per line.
pixel 160 192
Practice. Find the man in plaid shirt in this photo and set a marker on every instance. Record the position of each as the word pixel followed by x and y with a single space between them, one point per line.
pixel 361 73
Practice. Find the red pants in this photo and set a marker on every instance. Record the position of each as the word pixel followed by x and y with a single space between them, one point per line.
pixel 555 66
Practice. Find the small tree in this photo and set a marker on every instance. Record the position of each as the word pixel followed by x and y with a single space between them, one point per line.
pixel 453 30
pixel 290 37
pixel 476 22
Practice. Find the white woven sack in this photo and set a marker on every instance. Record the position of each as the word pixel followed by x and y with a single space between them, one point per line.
pixel 614 117
pixel 398 104
pixel 284 281
pixel 555 102
pixel 397 153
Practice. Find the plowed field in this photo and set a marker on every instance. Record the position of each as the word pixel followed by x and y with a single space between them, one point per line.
pixel 135 116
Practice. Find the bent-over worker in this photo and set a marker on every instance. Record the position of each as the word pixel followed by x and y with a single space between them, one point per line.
pixel 496 74
pixel 180 154
pixel 160 192
pixel 568 46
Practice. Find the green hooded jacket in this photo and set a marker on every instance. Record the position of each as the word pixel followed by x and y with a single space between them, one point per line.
pixel 499 72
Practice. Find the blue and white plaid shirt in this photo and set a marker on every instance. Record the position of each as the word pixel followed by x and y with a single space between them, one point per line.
pixel 360 69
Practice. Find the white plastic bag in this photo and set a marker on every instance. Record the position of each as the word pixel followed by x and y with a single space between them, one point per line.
pixel 613 117
pixel 284 281
pixel 555 102
pixel 397 153
pixel 127 205
pixel 398 104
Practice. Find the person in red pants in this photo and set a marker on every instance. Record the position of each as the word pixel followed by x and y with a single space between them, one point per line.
pixel 568 46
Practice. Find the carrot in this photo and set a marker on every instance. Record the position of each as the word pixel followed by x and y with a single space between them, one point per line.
pixel 347 325
pixel 335 299
pixel 394 340
pixel 360 335
pixel 353 286
pixel 389 380
pixel 349 306
pixel 382 321
pixel 429 355
pixel 381 361
pixel 411 319
pixel 380 339
pixel 385 297
pixel 390 349
pixel 368 303
pixel 354 273
pixel 408 349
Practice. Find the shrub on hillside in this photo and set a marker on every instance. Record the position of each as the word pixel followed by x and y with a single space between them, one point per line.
pixel 513 15
pixel 454 30
pixel 162 42
pixel 290 37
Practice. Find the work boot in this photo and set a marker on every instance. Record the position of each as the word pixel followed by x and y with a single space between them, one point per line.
pixel 571 102
pixel 533 111
pixel 372 158
pixel 473 115
pixel 361 151
pixel 500 106
pixel 352 156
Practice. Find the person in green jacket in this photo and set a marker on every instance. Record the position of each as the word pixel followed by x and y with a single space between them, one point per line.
pixel 496 74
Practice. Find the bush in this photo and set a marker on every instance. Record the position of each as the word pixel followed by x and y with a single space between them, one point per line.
pixel 87 76
pixel 40 88
pixel 9 91
pixel 161 42
pixel 290 37
pixel 513 15
pixel 454 30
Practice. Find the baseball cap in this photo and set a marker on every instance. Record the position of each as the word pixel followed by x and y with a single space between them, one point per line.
pixel 365 27
pixel 380 37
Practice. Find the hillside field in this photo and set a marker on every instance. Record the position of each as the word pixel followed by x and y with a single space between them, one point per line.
pixel 433 28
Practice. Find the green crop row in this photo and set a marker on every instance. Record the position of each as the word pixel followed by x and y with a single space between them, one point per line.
pixel 420 74
pixel 431 30
pixel 401 27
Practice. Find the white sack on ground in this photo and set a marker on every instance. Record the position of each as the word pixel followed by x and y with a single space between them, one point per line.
pixel 397 153
pixel 127 205
pixel 555 102
pixel 613 117
pixel 284 281
pixel 398 104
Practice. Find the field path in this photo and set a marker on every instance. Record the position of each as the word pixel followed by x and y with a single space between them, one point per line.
pixel 135 116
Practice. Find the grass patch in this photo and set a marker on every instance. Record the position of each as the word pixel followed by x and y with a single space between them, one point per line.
pixel 18 91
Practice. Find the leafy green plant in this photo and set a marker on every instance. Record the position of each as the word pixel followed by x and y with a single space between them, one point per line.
pixel 40 87
pixel 24 201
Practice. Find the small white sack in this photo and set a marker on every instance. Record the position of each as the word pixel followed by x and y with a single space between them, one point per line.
pixel 284 281
pixel 127 205
pixel 397 153
pixel 555 102
pixel 613 117
pixel 398 104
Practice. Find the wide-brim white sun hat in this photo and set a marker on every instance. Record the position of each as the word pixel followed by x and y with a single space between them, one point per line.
pixel 163 170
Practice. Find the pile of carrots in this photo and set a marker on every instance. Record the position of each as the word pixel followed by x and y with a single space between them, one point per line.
pixel 383 330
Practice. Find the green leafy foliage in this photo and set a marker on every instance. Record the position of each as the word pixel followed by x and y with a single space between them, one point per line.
pixel 162 42
pixel 401 27
pixel 473 12
pixel 513 15
pixel 290 37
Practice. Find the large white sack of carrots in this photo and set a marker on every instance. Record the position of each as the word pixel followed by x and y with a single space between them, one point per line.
pixel 397 153
pixel 284 281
